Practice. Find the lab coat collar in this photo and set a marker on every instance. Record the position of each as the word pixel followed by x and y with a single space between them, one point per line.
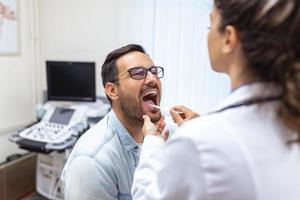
pixel 250 91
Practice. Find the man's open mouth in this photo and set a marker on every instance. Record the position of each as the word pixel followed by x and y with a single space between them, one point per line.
pixel 151 97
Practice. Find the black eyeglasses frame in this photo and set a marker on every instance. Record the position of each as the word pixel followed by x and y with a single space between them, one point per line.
pixel 160 70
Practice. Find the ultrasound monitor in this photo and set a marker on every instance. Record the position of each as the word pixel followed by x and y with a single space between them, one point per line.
pixel 61 115
pixel 71 81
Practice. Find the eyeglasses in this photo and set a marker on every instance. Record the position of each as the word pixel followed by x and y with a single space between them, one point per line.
pixel 139 73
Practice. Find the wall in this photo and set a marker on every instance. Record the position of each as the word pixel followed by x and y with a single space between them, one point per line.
pixel 77 30
pixel 18 74
pixel 52 30
pixel 174 34
pixel 56 30
pixel 84 30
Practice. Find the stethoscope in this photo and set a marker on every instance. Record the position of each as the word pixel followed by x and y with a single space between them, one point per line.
pixel 248 102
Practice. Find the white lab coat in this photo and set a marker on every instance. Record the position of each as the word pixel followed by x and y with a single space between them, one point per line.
pixel 240 153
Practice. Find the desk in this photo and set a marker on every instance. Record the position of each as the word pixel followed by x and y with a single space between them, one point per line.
pixel 17 177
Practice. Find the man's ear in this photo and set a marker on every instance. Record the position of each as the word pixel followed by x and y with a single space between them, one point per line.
pixel 111 90
pixel 230 39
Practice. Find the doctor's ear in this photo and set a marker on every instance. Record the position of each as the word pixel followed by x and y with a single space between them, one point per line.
pixel 230 39
pixel 111 90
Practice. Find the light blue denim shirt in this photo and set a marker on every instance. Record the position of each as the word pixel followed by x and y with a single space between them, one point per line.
pixel 102 163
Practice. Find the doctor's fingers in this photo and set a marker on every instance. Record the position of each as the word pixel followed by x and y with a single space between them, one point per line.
pixel 165 134
pixel 148 127
pixel 176 117
pixel 160 125
pixel 181 114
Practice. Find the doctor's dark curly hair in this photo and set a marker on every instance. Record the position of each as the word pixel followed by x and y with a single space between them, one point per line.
pixel 269 31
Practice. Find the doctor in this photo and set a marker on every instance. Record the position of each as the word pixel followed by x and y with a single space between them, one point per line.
pixel 248 148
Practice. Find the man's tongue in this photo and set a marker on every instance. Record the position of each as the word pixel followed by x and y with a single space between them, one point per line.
pixel 148 105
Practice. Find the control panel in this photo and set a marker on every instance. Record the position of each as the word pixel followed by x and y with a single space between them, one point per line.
pixel 57 125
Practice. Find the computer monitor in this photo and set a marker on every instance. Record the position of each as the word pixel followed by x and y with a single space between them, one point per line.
pixel 71 81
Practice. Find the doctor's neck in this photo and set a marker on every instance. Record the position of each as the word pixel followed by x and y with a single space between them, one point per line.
pixel 241 76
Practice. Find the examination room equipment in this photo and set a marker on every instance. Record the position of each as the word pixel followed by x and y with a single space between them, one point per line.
pixel 71 101
pixel 71 92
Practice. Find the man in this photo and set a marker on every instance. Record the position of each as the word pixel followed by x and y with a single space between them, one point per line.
pixel 102 163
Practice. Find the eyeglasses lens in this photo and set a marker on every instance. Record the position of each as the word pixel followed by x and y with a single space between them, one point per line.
pixel 139 73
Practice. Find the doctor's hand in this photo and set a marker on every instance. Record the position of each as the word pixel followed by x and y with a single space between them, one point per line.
pixel 181 114
pixel 157 129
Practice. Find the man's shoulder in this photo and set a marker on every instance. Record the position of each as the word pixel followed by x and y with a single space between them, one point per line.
pixel 95 140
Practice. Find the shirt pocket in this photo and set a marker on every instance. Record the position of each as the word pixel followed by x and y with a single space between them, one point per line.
pixel 123 196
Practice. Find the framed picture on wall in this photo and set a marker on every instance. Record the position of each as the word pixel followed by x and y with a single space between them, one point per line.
pixel 9 35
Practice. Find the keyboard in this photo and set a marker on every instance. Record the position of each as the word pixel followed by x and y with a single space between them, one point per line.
pixel 47 132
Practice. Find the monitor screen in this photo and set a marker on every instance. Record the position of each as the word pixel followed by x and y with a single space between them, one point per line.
pixel 61 115
pixel 71 81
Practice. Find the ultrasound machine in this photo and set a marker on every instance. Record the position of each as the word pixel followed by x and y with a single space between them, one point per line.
pixel 71 95
pixel 70 92
pixel 56 129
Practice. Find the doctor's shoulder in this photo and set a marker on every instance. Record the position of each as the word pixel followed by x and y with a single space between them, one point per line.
pixel 206 128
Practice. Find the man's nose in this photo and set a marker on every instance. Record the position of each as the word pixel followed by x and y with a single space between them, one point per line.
pixel 150 77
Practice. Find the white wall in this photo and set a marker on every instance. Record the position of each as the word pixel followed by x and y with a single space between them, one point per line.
pixel 17 74
pixel 87 30
pixel 78 30
pixel 174 34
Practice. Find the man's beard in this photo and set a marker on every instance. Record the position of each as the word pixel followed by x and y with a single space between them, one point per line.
pixel 132 108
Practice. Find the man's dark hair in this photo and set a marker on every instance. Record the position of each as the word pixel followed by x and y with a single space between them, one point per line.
pixel 109 72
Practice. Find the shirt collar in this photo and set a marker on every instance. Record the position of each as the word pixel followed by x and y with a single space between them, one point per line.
pixel 125 138
pixel 250 91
